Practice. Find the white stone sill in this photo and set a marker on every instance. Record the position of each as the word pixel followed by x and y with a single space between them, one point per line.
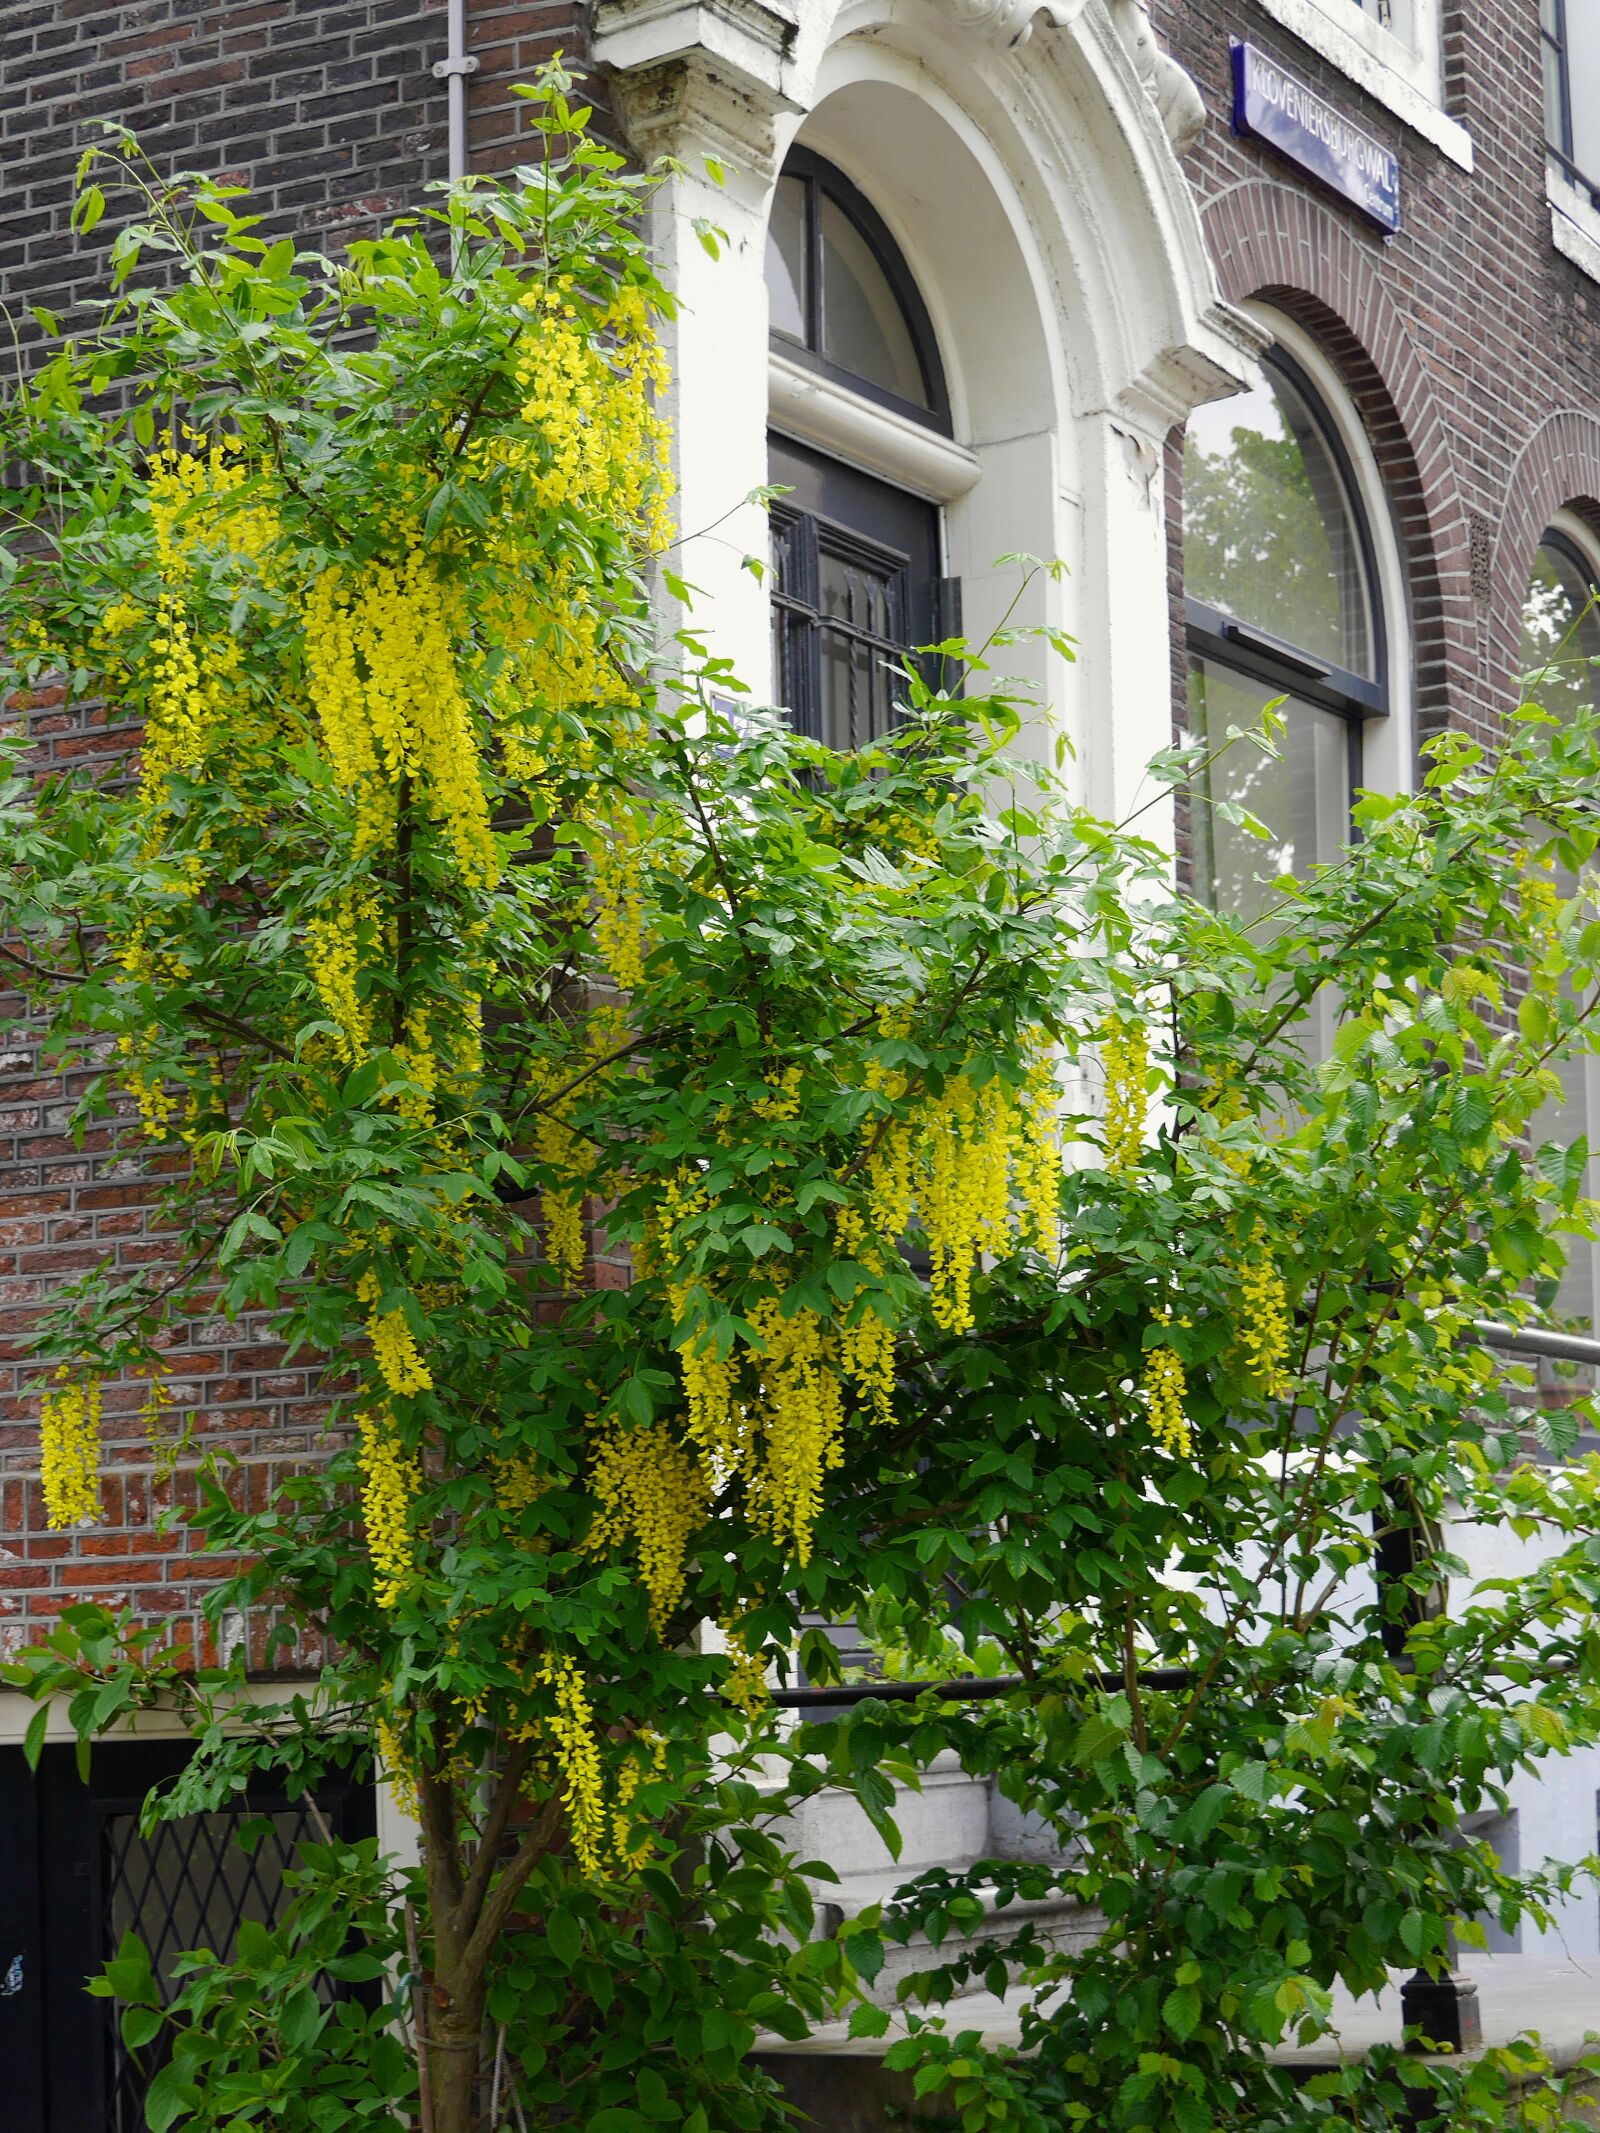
pixel 1574 223
pixel 1555 1998
pixel 1380 64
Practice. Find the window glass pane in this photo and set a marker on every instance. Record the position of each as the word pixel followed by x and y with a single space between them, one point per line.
pixel 786 259
pixel 862 643
pixel 1583 82
pixel 1303 797
pixel 864 329
pixel 1558 650
pixel 1268 534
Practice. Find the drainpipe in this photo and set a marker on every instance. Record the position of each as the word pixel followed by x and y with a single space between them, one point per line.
pixel 453 70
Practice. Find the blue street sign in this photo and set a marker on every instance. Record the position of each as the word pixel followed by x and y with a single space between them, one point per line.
pixel 1289 115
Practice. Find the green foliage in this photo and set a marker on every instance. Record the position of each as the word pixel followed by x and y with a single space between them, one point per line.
pixel 375 1030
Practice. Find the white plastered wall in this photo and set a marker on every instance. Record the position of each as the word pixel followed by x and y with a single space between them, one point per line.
pixel 1020 159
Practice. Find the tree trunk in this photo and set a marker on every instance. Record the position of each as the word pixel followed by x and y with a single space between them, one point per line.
pixel 455 2045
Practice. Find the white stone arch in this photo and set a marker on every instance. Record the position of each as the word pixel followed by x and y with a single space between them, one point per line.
pixel 1022 158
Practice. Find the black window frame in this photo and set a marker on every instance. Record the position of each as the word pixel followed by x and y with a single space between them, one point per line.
pixel 823 179
pixel 1232 642
pixel 843 511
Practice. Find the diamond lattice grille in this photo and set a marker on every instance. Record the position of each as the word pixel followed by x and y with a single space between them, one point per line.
pixel 188 1884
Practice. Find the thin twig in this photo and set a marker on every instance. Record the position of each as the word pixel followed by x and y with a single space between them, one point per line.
pixel 424 2082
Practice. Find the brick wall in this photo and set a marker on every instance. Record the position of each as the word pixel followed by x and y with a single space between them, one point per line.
pixel 330 114
pixel 1469 344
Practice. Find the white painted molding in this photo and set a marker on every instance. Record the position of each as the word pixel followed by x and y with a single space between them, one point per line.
pixel 748 39
pixel 815 410
pixel 1574 223
pixel 1403 80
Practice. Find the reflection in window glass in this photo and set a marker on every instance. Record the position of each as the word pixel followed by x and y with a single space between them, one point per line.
pixel 1560 651
pixel 786 259
pixel 1560 641
pixel 864 328
pixel 1267 527
pixel 1303 796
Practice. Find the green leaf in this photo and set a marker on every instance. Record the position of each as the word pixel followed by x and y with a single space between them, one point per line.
pixel 869 2021
pixel 33 1739
pixel 1180 2010
pixel 139 2025
pixel 565 1936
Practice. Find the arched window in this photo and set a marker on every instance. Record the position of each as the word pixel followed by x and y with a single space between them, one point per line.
pixel 1561 671
pixel 1282 600
pixel 857 560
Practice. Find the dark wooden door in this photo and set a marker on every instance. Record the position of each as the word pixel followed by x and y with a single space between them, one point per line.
pixel 77 1872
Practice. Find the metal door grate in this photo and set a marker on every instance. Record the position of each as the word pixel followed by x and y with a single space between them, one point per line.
pixel 189 1884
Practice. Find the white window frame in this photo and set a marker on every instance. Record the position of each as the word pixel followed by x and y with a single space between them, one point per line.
pixel 1578 536
pixel 1404 75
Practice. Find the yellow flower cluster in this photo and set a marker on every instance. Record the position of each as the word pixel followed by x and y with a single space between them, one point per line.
pixel 617 887
pixel 566 1242
pixel 1036 1158
pixel 69 1451
pixel 381 661
pixel 1264 1318
pixel 571 1728
pixel 1165 1390
pixel 654 1495
pixel 333 944
pixel 745 1684
pixel 389 1484
pixel 1126 1056
pixel 965 1191
pixel 396 1767
pixel 591 389
pixel 633 1841
pixel 798 1418
pixel 866 1340
pixel 518 1483
pixel 396 1352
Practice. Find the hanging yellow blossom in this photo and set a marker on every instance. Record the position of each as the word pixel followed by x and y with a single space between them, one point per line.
pixel 1036 1157
pixel 964 1194
pixel 745 1684
pixel 396 1768
pixel 632 1841
pixel 1165 1391
pixel 1264 1318
pixel 69 1451
pixel 653 1495
pixel 334 958
pixel 396 1352
pixel 801 1421
pixel 518 1483
pixel 617 886
pixel 571 1728
pixel 389 1484
pixel 385 683
pixel 1126 1054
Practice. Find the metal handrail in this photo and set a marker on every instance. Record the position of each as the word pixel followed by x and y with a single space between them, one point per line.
pixel 1538 1340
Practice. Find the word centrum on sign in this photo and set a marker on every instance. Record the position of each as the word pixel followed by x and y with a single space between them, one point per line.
pixel 1274 106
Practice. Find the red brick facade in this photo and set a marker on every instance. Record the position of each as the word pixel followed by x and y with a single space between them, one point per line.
pixel 331 115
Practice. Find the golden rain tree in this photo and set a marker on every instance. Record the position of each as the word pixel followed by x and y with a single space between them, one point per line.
pixel 654 1126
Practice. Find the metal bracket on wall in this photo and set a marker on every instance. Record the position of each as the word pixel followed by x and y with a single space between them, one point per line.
pixel 444 68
